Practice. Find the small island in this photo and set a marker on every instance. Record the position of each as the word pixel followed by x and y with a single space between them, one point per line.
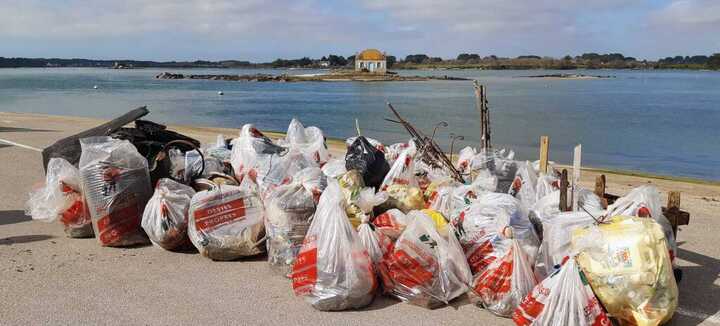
pixel 568 76
pixel 334 76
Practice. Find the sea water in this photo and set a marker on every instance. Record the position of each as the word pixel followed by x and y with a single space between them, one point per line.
pixel 662 122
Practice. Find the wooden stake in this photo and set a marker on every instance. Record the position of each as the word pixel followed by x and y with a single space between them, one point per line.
pixel 481 103
pixel 544 147
pixel 600 189
pixel 577 157
pixel 673 209
pixel 563 191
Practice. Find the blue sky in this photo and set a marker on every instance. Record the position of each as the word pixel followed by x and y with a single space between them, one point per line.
pixel 260 30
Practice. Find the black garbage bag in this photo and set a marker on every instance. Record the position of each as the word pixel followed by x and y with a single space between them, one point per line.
pixel 368 160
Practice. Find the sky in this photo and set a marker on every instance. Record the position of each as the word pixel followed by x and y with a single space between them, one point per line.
pixel 263 30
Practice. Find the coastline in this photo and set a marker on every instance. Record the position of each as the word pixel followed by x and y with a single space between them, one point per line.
pixel 336 145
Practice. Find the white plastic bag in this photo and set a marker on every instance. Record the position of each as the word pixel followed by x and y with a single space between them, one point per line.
pixel 165 219
pixel 402 185
pixel 482 224
pixel 524 185
pixel 309 141
pixel 426 267
pixel 334 168
pixel 333 270
pixel 505 282
pixel 288 212
pixel 226 222
pixel 61 198
pixel 391 223
pixel 563 299
pixel 116 184
pixel 255 156
pixel 644 201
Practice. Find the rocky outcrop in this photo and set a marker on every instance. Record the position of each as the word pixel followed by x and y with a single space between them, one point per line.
pixel 297 78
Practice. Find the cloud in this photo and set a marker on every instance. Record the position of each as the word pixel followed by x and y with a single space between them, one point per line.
pixel 689 14
pixel 684 27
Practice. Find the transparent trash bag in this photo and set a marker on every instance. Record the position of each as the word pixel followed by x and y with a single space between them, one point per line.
pixel 644 201
pixel 334 168
pixel 556 243
pixel 501 286
pixel 482 224
pixel 219 150
pixel 61 199
pixel 308 141
pixel 391 223
pixel 288 212
pixel 401 184
pixel 626 262
pixel 524 186
pixel 426 267
pixel 116 184
pixel 333 270
pixel 165 219
pixel 226 222
pixel 257 157
pixel 563 299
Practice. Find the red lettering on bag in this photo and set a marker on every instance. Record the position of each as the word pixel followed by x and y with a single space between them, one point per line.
pixel 217 215
pixel 116 224
pixel 479 259
pixel 406 270
pixel 304 271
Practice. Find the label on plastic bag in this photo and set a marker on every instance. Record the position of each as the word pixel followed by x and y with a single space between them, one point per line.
pixel 480 258
pixel 113 226
pixel 212 217
pixel 304 271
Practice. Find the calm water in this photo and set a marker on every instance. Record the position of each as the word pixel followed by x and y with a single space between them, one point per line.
pixel 661 122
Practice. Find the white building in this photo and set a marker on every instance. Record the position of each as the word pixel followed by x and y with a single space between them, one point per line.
pixel 371 60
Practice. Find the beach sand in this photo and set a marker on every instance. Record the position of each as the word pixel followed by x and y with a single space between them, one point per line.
pixel 50 279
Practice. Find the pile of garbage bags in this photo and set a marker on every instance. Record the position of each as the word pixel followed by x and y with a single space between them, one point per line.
pixel 378 221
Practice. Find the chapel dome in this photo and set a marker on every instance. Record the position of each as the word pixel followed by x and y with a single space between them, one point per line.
pixel 371 54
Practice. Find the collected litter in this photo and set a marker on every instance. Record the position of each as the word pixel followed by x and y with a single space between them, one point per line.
pixel 626 262
pixel 426 266
pixel 165 219
pixel 226 221
pixel 116 184
pixel 333 270
pixel 400 220
pixel 61 199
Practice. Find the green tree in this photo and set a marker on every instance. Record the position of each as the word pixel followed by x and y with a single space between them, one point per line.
pixel 714 61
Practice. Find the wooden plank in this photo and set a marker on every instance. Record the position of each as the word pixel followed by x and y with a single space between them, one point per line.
pixel 564 191
pixel 577 163
pixel 544 148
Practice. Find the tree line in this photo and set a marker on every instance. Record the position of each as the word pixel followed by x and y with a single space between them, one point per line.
pixel 412 61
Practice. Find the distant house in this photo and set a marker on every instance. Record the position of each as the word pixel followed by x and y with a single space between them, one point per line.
pixel 371 60
pixel 324 64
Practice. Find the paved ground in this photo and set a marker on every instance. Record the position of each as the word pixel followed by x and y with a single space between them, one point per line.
pixel 47 278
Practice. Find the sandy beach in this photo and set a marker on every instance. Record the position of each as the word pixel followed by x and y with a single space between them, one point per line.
pixel 50 279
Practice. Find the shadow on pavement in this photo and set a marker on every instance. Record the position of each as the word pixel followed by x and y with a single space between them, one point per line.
pixel 13 216
pixel 13 129
pixel 699 290
pixel 24 239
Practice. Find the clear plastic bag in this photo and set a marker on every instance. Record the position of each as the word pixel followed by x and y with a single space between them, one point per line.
pixel 226 222
pixel 524 185
pixel 334 168
pixel 482 224
pixel 116 184
pixel 165 219
pixel 308 141
pixel 402 185
pixel 392 223
pixel 501 286
pixel 426 267
pixel 61 198
pixel 644 201
pixel 563 299
pixel 288 212
pixel 256 157
pixel 333 270
pixel 556 245
pixel 626 262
